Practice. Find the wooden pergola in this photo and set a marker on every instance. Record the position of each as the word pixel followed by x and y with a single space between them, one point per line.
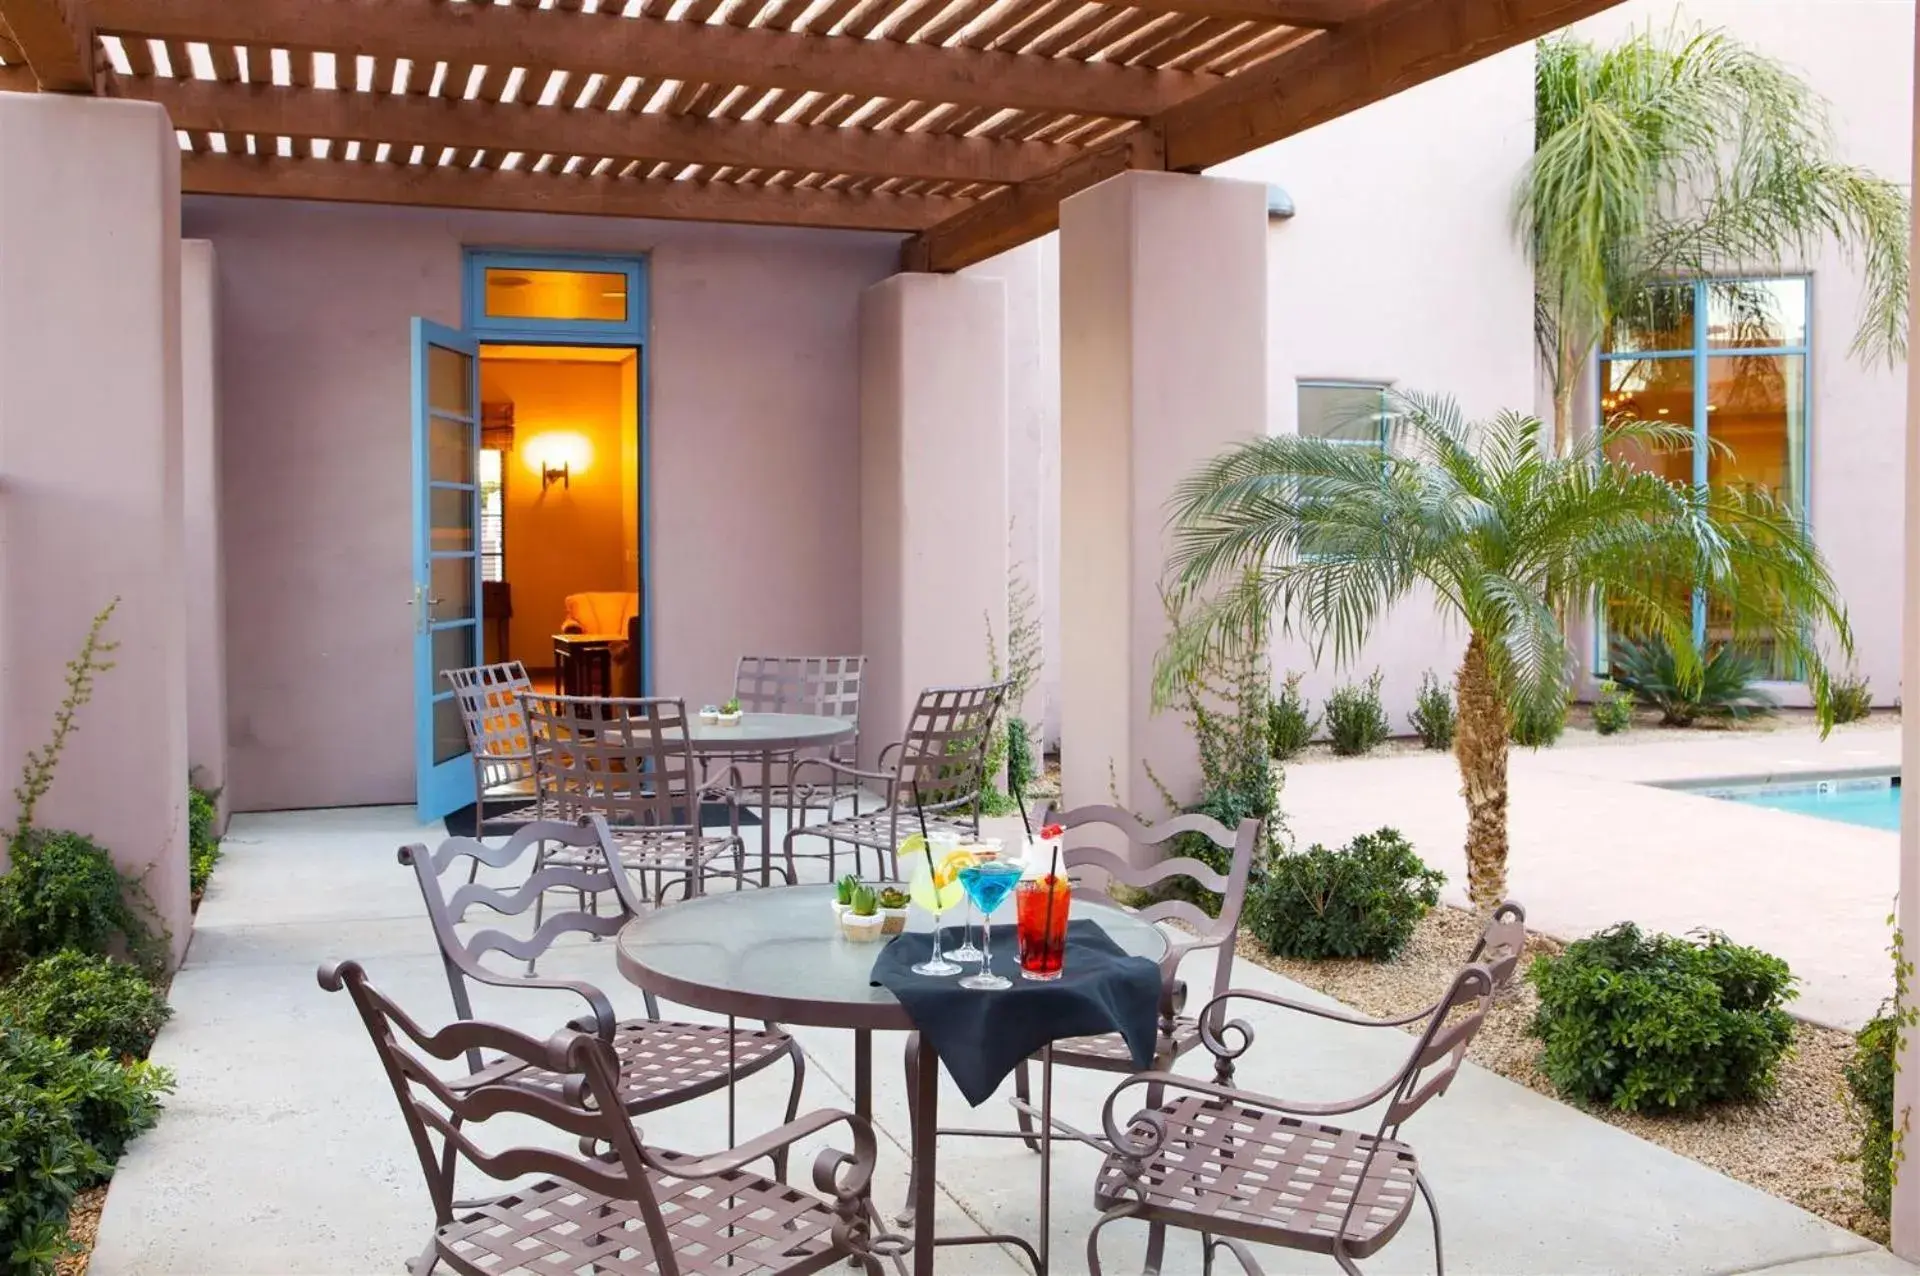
pixel 961 123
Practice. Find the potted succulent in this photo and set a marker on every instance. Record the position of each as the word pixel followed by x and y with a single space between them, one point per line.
pixel 729 714
pixel 843 895
pixel 893 910
pixel 709 715
pixel 861 922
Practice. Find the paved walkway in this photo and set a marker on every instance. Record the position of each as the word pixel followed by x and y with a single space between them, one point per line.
pixel 1593 842
pixel 282 1152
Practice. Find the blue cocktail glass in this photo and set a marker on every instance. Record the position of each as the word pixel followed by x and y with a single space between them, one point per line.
pixel 988 884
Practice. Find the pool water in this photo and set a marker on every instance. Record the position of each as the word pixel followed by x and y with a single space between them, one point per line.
pixel 1873 802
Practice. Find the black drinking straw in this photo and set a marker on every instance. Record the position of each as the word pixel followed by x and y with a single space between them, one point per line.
pixel 926 843
pixel 1046 932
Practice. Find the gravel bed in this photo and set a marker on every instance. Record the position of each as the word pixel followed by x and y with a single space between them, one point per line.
pixel 83 1222
pixel 1797 1145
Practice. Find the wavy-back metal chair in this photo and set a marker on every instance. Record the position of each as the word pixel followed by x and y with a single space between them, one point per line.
pixel 659 1063
pixel 618 1206
pixel 496 726
pixel 937 767
pixel 1238 1166
pixel 631 762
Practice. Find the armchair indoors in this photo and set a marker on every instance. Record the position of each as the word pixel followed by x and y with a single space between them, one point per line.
pixel 610 614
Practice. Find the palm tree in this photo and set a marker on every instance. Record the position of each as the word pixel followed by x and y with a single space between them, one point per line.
pixel 1507 538
pixel 1685 153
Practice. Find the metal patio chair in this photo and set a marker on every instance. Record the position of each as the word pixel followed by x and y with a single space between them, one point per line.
pixel 825 686
pixel 1238 1166
pixel 1178 1033
pixel 496 726
pixel 631 762
pixel 936 768
pixel 658 1062
pixel 614 1205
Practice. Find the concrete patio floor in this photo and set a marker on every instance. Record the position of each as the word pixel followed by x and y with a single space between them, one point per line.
pixel 282 1151
pixel 1594 842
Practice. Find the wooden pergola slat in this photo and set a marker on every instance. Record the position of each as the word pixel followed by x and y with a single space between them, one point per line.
pixel 657 48
pixel 56 41
pixel 432 186
pixel 492 126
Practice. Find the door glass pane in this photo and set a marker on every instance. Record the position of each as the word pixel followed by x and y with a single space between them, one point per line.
pixel 1657 390
pixel 1661 319
pixel 449 381
pixel 452 588
pixel 1746 314
pixel 450 450
pixel 452 649
pixel 449 733
pixel 452 519
pixel 556 294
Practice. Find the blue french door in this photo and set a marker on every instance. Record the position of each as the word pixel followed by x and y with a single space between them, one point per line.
pixel 446 558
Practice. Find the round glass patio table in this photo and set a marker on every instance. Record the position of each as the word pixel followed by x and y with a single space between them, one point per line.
pixel 776 955
pixel 764 737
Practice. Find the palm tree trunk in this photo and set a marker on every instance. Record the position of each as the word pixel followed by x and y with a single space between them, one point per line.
pixel 1480 747
pixel 1565 378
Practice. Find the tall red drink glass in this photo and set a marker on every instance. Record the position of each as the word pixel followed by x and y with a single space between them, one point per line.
pixel 1041 906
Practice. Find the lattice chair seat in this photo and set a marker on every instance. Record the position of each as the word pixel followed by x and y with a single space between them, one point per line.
pixel 650 848
pixel 734 1223
pixel 879 828
pixel 663 1063
pixel 1261 1175
pixel 1109 1052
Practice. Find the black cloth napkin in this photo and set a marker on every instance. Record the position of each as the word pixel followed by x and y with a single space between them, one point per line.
pixel 982 1035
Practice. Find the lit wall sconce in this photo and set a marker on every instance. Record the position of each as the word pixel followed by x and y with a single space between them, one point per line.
pixel 556 456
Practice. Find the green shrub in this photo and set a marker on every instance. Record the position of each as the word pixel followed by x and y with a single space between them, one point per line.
pixel 1355 721
pixel 65 1119
pixel 1852 698
pixel 91 1002
pixel 203 846
pixel 1433 717
pixel 1362 900
pixel 1659 1023
pixel 1722 687
pixel 1612 709
pixel 65 892
pixel 1869 1073
pixel 1533 726
pixel 1021 770
pixel 1289 728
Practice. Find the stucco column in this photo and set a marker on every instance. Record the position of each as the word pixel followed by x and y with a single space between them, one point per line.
pixel 206 595
pixel 1163 348
pixel 1906 1083
pixel 91 470
pixel 933 490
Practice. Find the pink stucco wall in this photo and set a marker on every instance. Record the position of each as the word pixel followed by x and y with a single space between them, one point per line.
pixel 752 435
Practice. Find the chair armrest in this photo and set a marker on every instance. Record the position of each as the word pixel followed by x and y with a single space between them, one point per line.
pixel 825 1168
pixel 1136 1147
pixel 836 769
pixel 1337 1015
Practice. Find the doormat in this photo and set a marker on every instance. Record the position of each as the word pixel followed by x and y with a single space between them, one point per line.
pixel 461 822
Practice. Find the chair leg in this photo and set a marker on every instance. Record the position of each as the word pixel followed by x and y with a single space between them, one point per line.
pixel 1023 1090
pixel 1433 1210
pixel 793 1106
pixel 1156 1232
pixel 912 1061
pixel 539 901
pixel 1120 1211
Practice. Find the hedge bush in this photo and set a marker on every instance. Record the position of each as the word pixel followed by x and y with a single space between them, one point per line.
pixel 1612 709
pixel 94 1003
pixel 65 1118
pixel 1433 718
pixel 1537 727
pixel 1869 1073
pixel 1650 1022
pixel 64 892
pixel 1356 723
pixel 203 845
pixel 1362 900
pixel 1289 727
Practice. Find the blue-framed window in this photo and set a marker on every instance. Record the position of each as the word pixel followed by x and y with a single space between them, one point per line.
pixel 1346 412
pixel 1729 360
pixel 556 297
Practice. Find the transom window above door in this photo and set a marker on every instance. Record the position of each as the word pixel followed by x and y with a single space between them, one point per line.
pixel 555 296
pixel 1351 412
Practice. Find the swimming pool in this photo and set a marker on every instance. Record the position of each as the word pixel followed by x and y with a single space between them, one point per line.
pixel 1872 801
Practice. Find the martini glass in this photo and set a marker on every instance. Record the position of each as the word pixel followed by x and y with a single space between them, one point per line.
pixel 987 884
pixel 933 885
pixel 982 849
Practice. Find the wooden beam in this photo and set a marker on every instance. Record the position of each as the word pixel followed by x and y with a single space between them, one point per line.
pixel 1395 45
pixel 56 40
pixel 436 122
pixel 1023 212
pixel 608 43
pixel 1400 44
pixel 1317 14
pixel 429 186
